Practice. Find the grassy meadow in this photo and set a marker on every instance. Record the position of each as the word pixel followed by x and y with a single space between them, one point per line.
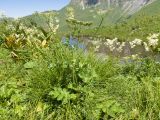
pixel 42 78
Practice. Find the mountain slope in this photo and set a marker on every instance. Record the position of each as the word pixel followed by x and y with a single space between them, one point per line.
pixel 127 6
pixel 113 11
pixel 139 25
pixel 149 10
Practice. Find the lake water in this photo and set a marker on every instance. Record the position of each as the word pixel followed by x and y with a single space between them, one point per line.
pixel 73 43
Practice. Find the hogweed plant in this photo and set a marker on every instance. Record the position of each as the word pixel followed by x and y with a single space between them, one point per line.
pixel 75 24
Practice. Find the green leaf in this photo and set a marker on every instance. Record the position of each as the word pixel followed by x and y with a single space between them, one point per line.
pixel 73 96
pixel 29 65
pixel 62 95
pixel 16 98
pixel 111 113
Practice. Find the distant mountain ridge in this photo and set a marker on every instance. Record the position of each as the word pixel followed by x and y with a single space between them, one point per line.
pixel 113 11
pixel 128 6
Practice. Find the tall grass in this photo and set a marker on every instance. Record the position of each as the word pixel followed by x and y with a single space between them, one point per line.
pixel 47 80
pixel 64 83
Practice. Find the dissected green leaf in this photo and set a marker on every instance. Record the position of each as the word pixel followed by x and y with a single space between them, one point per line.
pixel 29 65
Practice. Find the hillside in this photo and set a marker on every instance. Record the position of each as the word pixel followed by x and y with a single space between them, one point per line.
pixel 150 10
pixel 139 25
pixel 93 10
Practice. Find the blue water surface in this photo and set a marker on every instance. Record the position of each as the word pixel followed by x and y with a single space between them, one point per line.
pixel 73 43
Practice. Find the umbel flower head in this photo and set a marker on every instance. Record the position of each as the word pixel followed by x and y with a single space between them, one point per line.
pixel 135 42
pixel 153 40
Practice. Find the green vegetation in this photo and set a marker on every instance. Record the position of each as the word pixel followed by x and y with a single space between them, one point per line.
pixel 62 83
pixel 140 27
pixel 49 81
pixel 42 78
pixel 151 9
pixel 115 24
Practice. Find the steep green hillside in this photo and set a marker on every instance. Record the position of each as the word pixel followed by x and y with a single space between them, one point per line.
pixel 89 14
pixel 139 22
pixel 152 9
pixel 92 14
pixel 140 25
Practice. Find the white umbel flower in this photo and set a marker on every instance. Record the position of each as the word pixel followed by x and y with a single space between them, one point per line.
pixel 97 48
pixel 146 46
pixel 135 42
pixel 153 40
pixel 113 44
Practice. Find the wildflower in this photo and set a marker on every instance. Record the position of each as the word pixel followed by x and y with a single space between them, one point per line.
pixel 16 35
pixel 57 21
pixel 120 48
pixel 44 42
pixel 155 35
pixel 55 28
pixel 97 48
pixel 95 42
pixel 153 40
pixel 134 57
pixel 138 41
pixel 123 44
pixel 135 42
pixel 134 113
pixel 113 44
pixel 115 39
pixel 146 46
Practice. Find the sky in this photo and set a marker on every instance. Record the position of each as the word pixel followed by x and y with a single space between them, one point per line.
pixel 20 8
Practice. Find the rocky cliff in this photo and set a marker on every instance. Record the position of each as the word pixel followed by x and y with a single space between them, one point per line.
pixel 128 6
